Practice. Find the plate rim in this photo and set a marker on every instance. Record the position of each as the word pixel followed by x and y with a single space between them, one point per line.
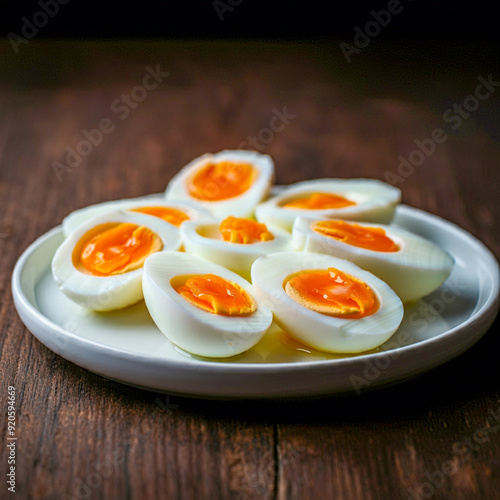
pixel 484 315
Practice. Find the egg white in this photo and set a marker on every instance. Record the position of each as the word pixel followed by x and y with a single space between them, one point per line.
pixel 418 268
pixel 204 239
pixel 190 328
pixel 324 332
pixel 375 201
pixel 238 206
pixel 78 217
pixel 105 293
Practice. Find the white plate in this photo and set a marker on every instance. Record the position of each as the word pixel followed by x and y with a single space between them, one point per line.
pixel 126 345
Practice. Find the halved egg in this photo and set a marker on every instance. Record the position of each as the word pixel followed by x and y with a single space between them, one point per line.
pixel 173 212
pixel 231 182
pixel 411 265
pixel 234 243
pixel 351 199
pixel 325 302
pixel 202 307
pixel 100 264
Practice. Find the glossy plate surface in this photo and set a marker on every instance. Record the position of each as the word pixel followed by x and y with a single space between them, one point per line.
pixel 127 347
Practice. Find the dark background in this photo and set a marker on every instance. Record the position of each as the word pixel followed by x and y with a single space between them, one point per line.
pixel 250 19
pixel 427 45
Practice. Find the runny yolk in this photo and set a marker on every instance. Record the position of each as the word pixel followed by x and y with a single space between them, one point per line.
pixel 237 230
pixel 115 248
pixel 332 292
pixel 371 238
pixel 169 214
pixel 319 201
pixel 220 181
pixel 214 294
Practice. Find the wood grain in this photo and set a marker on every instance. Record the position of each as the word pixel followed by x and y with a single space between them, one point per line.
pixel 81 436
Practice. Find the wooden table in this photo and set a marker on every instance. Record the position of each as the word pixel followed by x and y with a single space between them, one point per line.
pixel 81 436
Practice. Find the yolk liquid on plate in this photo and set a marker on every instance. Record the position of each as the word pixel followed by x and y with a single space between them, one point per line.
pixel 214 294
pixel 246 231
pixel 172 215
pixel 279 347
pixel 371 238
pixel 221 181
pixel 289 346
pixel 115 248
pixel 332 292
pixel 319 201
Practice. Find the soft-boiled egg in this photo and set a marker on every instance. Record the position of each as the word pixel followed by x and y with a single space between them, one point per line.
pixel 411 265
pixel 202 307
pixel 351 199
pixel 173 212
pixel 231 182
pixel 325 302
pixel 100 264
pixel 234 243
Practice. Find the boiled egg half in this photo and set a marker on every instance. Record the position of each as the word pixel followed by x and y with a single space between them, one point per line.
pixel 231 182
pixel 174 212
pixel 351 199
pixel 202 307
pixel 100 264
pixel 234 243
pixel 327 303
pixel 411 265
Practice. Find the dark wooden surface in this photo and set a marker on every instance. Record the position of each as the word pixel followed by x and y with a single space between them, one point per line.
pixel 81 436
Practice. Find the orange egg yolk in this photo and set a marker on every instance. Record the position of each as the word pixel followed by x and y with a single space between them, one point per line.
pixel 221 181
pixel 246 231
pixel 215 295
pixel 371 238
pixel 115 248
pixel 319 201
pixel 169 214
pixel 332 292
